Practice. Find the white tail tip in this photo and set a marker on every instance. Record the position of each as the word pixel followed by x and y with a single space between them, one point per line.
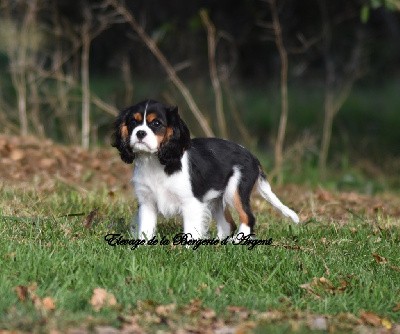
pixel 265 190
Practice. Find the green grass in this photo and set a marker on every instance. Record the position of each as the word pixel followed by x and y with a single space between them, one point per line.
pixel 67 261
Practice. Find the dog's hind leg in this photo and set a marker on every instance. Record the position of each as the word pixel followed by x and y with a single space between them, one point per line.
pixel 225 223
pixel 242 205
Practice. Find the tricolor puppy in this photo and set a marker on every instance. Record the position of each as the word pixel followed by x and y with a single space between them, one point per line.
pixel 196 178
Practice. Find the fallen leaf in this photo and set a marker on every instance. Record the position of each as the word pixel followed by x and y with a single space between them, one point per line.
pixel 193 307
pixel 102 298
pixel 379 259
pixel 324 195
pixel 165 310
pixel 17 155
pixel 326 284
pixel 270 316
pixel 370 318
pixel 309 288
pixel 386 323
pixel 236 309
pixel 208 314
pixel 239 311
pixel 22 292
pixel 343 286
pixel 46 163
pixel 48 304
pixel 88 222
pixel 396 268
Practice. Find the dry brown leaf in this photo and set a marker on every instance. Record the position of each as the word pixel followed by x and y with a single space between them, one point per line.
pixel 396 308
pixel 239 311
pixel 370 319
pixel 165 310
pixel 395 268
pixel 194 306
pixel 102 298
pixel 309 288
pixel 29 292
pixel 48 304
pixel 22 292
pixel 352 197
pixel 270 316
pixel 236 309
pixel 324 195
pixel 325 284
pixel 88 222
pixel 208 314
pixel 46 163
pixel 343 286
pixel 379 259
pixel 17 155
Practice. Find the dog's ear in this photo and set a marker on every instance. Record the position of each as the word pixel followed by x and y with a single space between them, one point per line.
pixel 175 143
pixel 121 138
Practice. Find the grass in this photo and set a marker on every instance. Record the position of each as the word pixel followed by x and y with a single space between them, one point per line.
pixel 43 243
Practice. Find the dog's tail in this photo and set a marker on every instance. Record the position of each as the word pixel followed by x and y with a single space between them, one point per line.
pixel 265 191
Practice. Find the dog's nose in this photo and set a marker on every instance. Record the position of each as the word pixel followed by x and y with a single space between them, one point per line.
pixel 141 134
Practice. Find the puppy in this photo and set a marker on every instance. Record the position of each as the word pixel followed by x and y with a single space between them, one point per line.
pixel 196 178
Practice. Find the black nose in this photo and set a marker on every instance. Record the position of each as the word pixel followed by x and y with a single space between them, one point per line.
pixel 141 134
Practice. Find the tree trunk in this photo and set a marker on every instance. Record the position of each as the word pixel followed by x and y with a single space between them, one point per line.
pixel 22 114
pixel 85 86
pixel 127 79
pixel 284 90
pixel 327 130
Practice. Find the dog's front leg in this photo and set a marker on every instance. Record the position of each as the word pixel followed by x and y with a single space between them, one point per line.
pixel 195 219
pixel 146 221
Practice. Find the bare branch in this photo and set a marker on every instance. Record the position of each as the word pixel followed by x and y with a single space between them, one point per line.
pixel 152 46
pixel 211 39
pixel 108 108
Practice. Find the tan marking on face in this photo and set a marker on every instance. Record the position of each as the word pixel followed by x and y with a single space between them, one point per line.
pixel 169 133
pixel 244 219
pixel 124 132
pixel 150 118
pixel 161 137
pixel 229 219
pixel 164 135
pixel 138 117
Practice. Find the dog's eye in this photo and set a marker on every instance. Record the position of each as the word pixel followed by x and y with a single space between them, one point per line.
pixel 155 123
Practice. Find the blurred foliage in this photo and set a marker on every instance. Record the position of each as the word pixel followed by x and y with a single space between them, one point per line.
pixel 366 127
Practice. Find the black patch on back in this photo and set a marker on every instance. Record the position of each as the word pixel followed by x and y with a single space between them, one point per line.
pixel 211 161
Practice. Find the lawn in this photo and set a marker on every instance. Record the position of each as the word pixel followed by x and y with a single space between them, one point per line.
pixel 59 273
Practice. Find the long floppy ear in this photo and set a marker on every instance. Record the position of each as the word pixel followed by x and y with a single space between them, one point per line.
pixel 176 141
pixel 121 138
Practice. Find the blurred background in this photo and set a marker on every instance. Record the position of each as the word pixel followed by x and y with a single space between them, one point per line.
pixel 313 86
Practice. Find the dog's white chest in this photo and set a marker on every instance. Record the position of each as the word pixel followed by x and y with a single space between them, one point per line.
pixel 153 186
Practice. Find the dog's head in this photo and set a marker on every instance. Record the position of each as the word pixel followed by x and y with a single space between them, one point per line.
pixel 152 128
